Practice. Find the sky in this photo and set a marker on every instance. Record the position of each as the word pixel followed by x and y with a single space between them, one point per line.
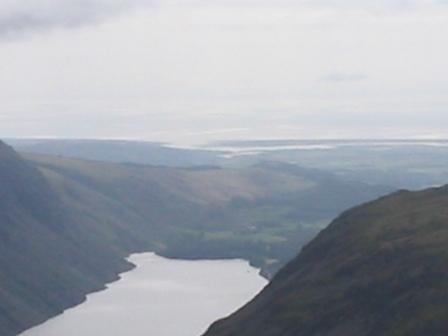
pixel 191 71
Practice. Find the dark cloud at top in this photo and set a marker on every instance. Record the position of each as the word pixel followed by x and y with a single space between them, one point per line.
pixel 23 16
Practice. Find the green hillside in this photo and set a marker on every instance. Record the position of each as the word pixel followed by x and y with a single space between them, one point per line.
pixel 379 269
pixel 263 213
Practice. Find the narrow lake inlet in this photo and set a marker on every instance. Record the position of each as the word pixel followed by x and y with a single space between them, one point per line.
pixel 161 297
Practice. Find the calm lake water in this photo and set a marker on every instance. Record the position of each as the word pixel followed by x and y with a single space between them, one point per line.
pixel 160 297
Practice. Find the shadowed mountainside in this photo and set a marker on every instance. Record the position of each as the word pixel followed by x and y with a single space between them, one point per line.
pixel 66 225
pixel 47 261
pixel 379 269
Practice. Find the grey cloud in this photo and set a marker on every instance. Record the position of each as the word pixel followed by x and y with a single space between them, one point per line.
pixel 23 16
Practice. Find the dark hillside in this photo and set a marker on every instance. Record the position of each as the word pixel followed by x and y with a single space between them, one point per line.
pixel 379 269
pixel 44 269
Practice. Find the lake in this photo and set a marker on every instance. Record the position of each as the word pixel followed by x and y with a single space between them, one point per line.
pixel 160 297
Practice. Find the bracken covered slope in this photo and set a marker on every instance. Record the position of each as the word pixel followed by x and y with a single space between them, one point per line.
pixel 379 269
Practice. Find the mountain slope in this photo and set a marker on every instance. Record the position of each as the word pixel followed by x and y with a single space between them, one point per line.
pixel 262 213
pixel 43 268
pixel 379 269
pixel 66 225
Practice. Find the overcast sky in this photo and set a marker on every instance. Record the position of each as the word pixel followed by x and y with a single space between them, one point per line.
pixel 198 70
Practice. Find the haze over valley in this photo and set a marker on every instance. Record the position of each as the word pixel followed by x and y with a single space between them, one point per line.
pixel 223 168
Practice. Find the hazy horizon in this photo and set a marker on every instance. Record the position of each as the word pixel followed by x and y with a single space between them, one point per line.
pixel 228 143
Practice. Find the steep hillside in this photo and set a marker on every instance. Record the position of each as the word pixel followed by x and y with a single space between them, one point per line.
pixel 379 269
pixel 47 263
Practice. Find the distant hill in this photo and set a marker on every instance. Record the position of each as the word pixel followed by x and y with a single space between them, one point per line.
pixel 401 164
pixel 66 225
pixel 140 152
pixel 378 269
pixel 263 213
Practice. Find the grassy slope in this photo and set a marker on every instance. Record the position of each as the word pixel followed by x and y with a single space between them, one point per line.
pixel 262 213
pixel 379 269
